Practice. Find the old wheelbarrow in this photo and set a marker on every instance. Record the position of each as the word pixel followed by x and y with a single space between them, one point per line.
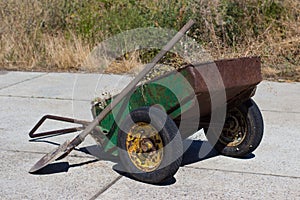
pixel 145 124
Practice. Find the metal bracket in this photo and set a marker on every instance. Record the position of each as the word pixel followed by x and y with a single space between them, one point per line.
pixel 32 133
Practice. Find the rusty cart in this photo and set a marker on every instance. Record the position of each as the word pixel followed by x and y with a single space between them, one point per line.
pixel 146 123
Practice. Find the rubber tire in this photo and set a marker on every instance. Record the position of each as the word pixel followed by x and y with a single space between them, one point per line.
pixel 253 137
pixel 172 156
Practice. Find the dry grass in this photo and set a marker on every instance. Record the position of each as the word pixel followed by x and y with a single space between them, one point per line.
pixel 65 54
pixel 25 46
pixel 52 53
pixel 129 64
pixel 274 55
pixel 31 40
pixel 278 43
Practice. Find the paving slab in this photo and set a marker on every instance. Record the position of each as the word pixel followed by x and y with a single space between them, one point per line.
pixel 276 155
pixel 19 115
pixel 73 178
pixel 278 97
pixel 64 85
pixel 8 78
pixel 193 183
pixel 271 172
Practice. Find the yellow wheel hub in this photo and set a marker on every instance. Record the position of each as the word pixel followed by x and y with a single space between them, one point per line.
pixel 144 146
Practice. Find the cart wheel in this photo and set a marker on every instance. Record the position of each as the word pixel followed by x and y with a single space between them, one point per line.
pixel 242 133
pixel 150 145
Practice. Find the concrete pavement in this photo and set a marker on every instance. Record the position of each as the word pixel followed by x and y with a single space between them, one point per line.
pixel 272 172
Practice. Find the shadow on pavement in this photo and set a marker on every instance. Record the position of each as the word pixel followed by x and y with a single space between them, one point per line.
pixel 194 151
pixel 197 150
pixel 60 167
pixel 120 169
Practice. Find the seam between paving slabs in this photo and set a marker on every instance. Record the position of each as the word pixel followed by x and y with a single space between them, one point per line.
pixel 94 196
pixel 43 153
pixel 29 79
pixel 91 161
pixel 84 100
pixel 44 98
pixel 106 187
pixel 243 172
pixel 281 111
pixel 190 167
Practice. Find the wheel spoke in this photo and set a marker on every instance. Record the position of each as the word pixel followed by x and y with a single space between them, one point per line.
pixel 236 131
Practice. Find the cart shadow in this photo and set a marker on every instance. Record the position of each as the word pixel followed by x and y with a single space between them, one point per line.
pixel 60 167
pixel 120 170
pixel 191 155
pixel 194 151
pixel 198 150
